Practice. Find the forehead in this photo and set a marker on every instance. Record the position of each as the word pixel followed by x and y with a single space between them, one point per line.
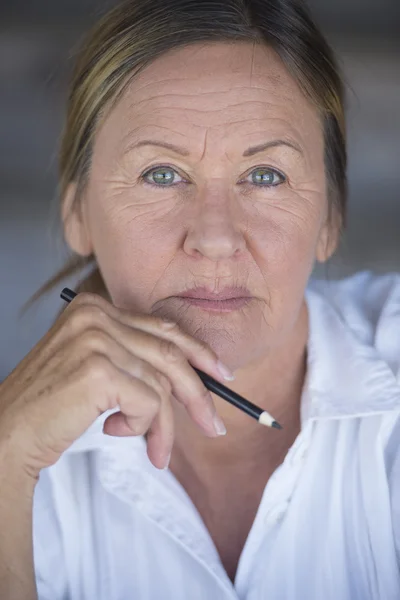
pixel 217 85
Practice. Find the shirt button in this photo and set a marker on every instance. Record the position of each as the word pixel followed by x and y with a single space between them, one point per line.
pixel 277 513
pixel 300 454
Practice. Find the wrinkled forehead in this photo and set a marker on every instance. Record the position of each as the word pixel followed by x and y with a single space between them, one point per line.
pixel 234 65
pixel 224 86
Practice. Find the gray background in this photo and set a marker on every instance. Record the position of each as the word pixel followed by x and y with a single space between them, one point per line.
pixel 37 40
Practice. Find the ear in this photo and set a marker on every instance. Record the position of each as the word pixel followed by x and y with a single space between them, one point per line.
pixel 328 240
pixel 75 230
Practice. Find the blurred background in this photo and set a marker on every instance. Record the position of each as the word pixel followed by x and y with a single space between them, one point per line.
pixel 37 43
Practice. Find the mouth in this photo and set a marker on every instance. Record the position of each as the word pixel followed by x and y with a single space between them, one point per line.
pixel 226 305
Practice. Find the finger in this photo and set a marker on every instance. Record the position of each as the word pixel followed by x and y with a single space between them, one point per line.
pixel 96 341
pixel 63 409
pixel 108 387
pixel 168 359
pixel 91 310
pixel 164 355
pixel 197 352
pixel 117 425
pixel 160 436
pixel 83 311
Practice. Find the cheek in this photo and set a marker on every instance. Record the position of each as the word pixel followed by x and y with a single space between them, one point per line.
pixel 131 247
pixel 286 238
pixel 284 250
pixel 121 224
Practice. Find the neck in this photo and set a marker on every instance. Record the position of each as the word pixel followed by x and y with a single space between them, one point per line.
pixel 274 384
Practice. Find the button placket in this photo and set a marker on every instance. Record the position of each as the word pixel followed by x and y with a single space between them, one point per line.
pixel 282 484
pixel 273 506
pixel 188 530
pixel 300 453
pixel 134 482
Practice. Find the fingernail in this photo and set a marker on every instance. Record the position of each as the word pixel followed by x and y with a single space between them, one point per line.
pixel 219 425
pixel 225 372
pixel 168 460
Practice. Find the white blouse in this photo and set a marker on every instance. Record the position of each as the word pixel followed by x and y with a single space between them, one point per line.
pixel 110 526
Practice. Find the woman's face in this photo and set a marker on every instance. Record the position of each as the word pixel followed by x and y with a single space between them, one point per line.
pixel 161 221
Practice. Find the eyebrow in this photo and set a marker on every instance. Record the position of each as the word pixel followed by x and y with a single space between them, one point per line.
pixel 249 152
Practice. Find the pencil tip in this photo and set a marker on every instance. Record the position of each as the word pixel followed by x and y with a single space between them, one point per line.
pixel 276 425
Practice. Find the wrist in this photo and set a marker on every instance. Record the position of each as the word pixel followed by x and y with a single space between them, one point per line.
pixel 16 479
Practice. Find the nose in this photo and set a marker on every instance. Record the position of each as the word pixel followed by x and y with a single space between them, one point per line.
pixel 215 232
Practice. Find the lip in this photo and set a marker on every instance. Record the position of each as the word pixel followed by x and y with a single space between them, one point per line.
pixel 217 305
pixel 227 293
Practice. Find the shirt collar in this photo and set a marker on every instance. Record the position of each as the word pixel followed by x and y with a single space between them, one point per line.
pixel 345 377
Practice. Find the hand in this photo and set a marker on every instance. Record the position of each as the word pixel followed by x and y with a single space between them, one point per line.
pixel 97 357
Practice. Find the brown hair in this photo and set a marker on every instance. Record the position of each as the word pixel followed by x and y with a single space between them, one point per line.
pixel 136 32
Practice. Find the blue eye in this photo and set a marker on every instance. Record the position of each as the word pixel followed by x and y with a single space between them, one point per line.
pixel 266 177
pixel 161 176
pixel 164 176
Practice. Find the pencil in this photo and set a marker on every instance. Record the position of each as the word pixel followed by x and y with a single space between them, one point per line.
pixel 262 416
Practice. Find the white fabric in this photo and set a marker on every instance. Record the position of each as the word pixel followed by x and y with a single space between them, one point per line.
pixel 110 526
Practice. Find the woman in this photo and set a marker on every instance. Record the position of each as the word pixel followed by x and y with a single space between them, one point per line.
pixel 203 160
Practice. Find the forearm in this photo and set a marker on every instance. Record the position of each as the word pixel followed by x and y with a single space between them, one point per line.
pixel 17 579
